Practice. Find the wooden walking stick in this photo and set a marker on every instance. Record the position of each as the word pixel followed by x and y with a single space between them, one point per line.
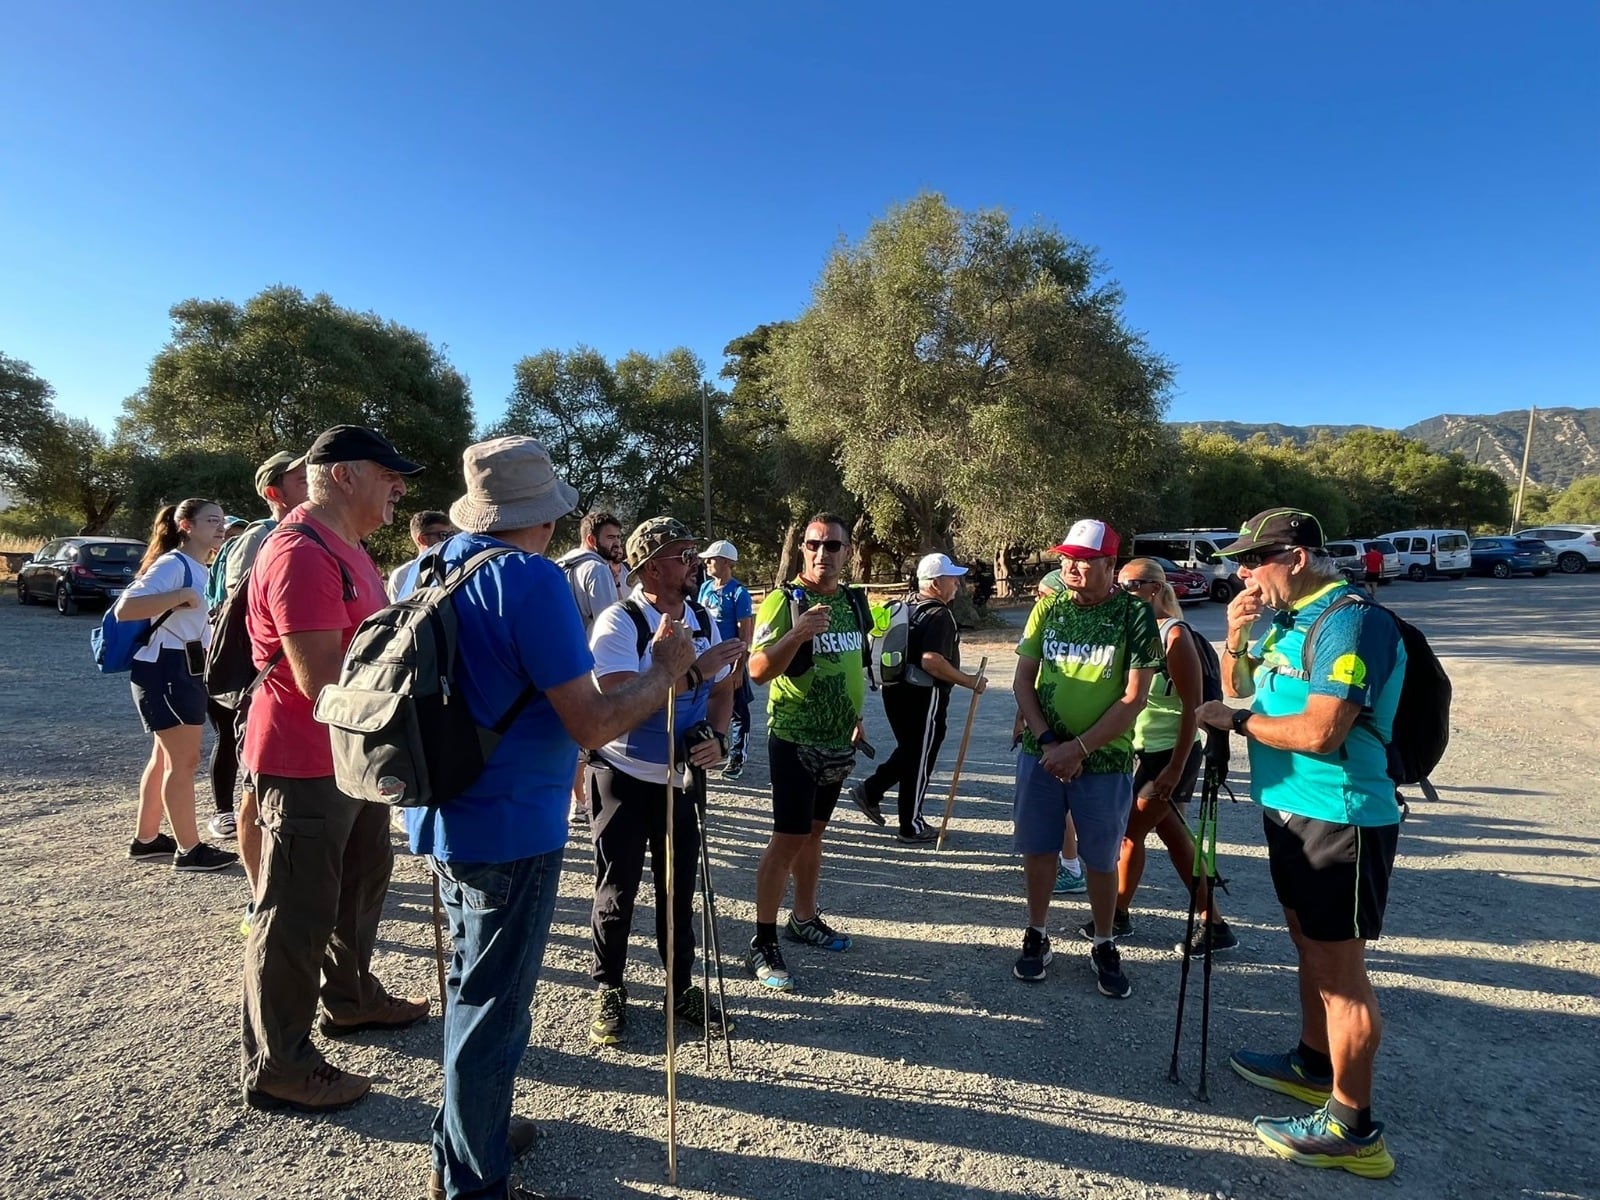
pixel 961 757
pixel 672 1016
pixel 438 942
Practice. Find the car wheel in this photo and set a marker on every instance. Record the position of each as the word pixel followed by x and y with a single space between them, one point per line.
pixel 1221 592
pixel 1415 573
pixel 1572 563
pixel 1501 570
pixel 65 604
pixel 1540 574
pixel 22 593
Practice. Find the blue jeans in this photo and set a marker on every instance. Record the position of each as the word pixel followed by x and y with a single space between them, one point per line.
pixel 499 919
pixel 739 726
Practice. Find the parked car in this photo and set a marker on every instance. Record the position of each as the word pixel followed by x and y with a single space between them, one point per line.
pixel 1576 547
pixel 1504 556
pixel 1196 550
pixel 1349 557
pixel 76 570
pixel 1425 552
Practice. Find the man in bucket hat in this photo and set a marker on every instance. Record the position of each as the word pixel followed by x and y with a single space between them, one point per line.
pixel 497 847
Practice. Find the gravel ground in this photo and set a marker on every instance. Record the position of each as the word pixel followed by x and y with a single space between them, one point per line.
pixel 912 1066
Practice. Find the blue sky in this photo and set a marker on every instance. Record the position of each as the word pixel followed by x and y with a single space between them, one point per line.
pixel 1320 212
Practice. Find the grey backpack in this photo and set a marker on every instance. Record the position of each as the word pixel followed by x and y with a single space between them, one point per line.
pixel 400 728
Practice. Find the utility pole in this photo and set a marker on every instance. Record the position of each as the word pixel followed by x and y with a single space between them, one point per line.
pixel 705 452
pixel 1522 484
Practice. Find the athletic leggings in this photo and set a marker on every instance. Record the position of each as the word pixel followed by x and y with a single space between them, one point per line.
pixel 224 767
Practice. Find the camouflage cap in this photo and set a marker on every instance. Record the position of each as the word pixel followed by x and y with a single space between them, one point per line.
pixel 651 537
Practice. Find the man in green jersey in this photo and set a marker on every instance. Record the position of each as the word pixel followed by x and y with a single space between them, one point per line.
pixel 1084 667
pixel 811 646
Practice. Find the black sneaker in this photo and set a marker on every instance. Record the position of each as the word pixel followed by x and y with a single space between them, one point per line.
pixel 1107 964
pixel 204 857
pixel 160 846
pixel 858 797
pixel 1121 926
pixel 735 767
pixel 765 962
pixel 1035 957
pixel 610 1015
pixel 1222 938
pixel 693 1007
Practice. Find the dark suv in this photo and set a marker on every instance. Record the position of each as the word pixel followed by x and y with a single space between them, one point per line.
pixel 70 571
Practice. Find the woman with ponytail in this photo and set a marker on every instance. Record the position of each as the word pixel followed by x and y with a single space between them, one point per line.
pixel 168 689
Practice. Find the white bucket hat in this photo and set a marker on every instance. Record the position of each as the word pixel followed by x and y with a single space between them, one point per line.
pixel 511 484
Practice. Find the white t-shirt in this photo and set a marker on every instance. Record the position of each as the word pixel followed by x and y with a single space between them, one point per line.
pixel 614 644
pixel 184 624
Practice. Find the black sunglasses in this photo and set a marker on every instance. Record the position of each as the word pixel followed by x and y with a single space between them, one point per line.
pixel 832 545
pixel 1251 559
pixel 1133 585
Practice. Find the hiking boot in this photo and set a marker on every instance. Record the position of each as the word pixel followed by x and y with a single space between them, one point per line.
pixel 224 826
pixel 390 1013
pixel 693 1007
pixel 873 810
pixel 735 767
pixel 1107 965
pixel 1035 956
pixel 610 1015
pixel 817 932
pixel 519 1140
pixel 1222 938
pixel 765 962
pixel 921 832
pixel 1121 926
pixel 1317 1140
pixel 1282 1073
pixel 326 1089
pixel 159 847
pixel 1068 883
pixel 203 858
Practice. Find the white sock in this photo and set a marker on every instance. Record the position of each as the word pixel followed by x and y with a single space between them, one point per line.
pixel 1039 929
pixel 1098 940
pixel 1073 865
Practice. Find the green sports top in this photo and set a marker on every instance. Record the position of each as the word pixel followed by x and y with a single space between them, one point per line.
pixel 820 707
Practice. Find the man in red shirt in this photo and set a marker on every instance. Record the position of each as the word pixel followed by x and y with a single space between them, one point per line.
pixel 1372 568
pixel 326 857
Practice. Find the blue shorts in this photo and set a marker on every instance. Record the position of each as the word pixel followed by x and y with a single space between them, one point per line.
pixel 166 694
pixel 1099 806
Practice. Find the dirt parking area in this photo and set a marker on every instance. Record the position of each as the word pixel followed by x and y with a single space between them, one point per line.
pixel 912 1066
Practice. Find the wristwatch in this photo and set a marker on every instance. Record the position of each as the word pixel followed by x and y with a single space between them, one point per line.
pixel 1047 738
pixel 1240 716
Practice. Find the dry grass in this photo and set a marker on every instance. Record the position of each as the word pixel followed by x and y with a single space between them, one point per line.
pixel 15 545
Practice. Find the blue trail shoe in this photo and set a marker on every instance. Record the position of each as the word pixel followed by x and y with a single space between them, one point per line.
pixel 817 932
pixel 1317 1140
pixel 1282 1073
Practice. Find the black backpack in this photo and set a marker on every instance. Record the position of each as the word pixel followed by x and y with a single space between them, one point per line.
pixel 1218 750
pixel 1422 718
pixel 401 732
pixel 231 675
pixel 702 622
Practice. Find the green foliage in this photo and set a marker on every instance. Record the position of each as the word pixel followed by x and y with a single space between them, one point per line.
pixel 1579 503
pixel 60 470
pixel 972 380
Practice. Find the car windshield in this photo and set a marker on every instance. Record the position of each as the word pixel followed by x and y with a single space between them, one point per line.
pixel 113 553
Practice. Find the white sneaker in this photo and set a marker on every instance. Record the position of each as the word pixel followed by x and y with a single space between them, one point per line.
pixel 224 826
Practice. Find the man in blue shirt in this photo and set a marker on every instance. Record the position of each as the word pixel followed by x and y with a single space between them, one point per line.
pixel 1317 733
pixel 497 848
pixel 728 600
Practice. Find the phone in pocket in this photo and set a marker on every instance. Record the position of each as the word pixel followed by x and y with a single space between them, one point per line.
pixel 194 654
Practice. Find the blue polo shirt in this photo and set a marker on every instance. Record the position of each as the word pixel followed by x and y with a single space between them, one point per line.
pixel 728 605
pixel 517 623
pixel 1358 656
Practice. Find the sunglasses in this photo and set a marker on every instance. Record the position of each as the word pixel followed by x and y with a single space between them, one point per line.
pixel 832 545
pixel 1251 559
pixel 1133 585
pixel 686 556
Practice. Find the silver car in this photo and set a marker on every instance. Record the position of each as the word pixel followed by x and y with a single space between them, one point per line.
pixel 1347 555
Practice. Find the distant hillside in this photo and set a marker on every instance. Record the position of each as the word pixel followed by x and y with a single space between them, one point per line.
pixel 1566 441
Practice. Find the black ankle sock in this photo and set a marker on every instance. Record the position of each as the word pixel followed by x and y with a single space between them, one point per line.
pixel 767 934
pixel 1314 1061
pixel 1357 1120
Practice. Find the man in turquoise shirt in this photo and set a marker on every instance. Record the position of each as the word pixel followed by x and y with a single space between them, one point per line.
pixel 1317 733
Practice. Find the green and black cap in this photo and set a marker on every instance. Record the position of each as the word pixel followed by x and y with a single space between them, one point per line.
pixel 1277 527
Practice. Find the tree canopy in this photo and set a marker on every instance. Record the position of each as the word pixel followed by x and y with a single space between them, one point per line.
pixel 60 469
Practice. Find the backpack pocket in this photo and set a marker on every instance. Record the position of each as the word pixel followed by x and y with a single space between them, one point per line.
pixel 377 745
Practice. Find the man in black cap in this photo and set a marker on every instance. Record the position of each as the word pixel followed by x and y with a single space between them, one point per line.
pixel 326 857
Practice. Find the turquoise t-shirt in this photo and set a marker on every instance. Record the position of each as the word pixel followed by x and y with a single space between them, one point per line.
pixel 1358 656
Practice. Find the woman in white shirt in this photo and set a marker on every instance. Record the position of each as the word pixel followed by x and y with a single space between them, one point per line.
pixel 168 688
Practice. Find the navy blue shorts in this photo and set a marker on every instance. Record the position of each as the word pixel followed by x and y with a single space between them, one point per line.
pixel 165 694
pixel 1099 806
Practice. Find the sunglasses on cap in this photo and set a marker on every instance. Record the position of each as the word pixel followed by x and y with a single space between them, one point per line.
pixel 832 545
pixel 1252 559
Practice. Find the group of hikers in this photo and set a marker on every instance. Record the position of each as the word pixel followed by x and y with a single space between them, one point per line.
pixel 571 660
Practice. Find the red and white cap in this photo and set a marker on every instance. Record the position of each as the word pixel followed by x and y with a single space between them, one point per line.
pixel 1089 539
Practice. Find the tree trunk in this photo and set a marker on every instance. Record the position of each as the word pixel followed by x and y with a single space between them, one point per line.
pixel 861 550
pixel 789 555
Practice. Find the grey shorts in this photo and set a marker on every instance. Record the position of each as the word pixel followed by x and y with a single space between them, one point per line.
pixel 1099 806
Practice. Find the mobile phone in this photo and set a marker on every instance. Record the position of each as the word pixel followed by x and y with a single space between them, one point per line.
pixel 194 655
pixel 866 748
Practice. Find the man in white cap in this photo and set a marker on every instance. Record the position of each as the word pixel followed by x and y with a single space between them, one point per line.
pixel 918 702
pixel 497 847
pixel 728 600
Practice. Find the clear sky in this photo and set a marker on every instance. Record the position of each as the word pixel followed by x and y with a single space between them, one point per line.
pixel 1366 212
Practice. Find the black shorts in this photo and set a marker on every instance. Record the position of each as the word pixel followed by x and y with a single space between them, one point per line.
pixel 1147 764
pixel 1335 878
pixel 165 694
pixel 1374 576
pixel 806 782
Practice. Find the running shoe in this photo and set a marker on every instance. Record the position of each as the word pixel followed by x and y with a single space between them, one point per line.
pixel 248 919
pixel 816 932
pixel 159 847
pixel 1282 1073
pixel 1121 926
pixel 766 963
pixel 224 826
pixel 203 857
pixel 735 767
pixel 1035 956
pixel 1069 883
pixel 1317 1140
pixel 1106 963
pixel 610 1015
pixel 873 811
pixel 693 1007
pixel 1222 938
pixel 920 832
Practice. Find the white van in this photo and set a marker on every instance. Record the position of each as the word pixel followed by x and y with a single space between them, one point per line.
pixel 1197 550
pixel 1425 552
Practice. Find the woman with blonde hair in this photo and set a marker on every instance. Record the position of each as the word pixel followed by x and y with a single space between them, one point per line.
pixel 1167 757
pixel 168 690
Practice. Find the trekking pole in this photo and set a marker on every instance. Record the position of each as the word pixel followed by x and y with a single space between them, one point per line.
pixel 961 758
pixel 711 942
pixel 1208 850
pixel 672 1016
pixel 438 943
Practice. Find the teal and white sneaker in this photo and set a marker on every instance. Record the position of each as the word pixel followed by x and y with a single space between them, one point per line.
pixel 765 962
pixel 1068 883
pixel 816 932
pixel 1317 1140
pixel 1283 1073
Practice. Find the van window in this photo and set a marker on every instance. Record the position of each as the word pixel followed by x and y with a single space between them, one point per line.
pixel 1161 548
pixel 1205 551
pixel 1452 541
pixel 1419 545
